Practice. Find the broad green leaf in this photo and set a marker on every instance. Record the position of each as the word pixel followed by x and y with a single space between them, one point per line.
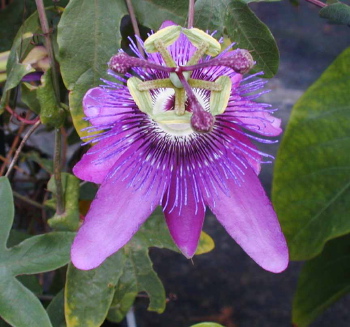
pixel 55 310
pixel 88 36
pixel 234 19
pixel 39 253
pixel 89 294
pixel 152 13
pixel 124 296
pixel 18 306
pixel 6 212
pixel 311 187
pixel 338 13
pixel 323 280
pixel 69 220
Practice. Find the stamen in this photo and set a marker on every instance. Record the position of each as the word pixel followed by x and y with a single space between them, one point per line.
pixel 240 60
pixel 122 62
pixel 155 84
pixel 201 121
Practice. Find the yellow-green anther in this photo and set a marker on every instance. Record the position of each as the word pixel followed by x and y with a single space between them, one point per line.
pixel 201 50
pixel 161 48
pixel 167 35
pixel 170 117
pixel 219 100
pixel 206 85
pixel 142 98
pixel 197 37
pixel 180 99
pixel 155 84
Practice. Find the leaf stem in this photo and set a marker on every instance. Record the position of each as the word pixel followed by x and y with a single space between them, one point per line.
pixel 19 149
pixel 190 13
pixel 317 3
pixel 135 26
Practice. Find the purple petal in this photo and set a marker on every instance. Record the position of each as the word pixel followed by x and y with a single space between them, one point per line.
pixel 114 217
pixel 184 215
pixel 97 109
pixel 248 216
pixel 97 162
pixel 260 122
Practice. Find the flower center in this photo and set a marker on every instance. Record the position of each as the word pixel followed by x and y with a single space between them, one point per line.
pixel 180 86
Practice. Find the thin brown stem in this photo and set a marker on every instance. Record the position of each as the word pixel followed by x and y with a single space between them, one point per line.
pixel 12 149
pixel 135 26
pixel 317 3
pixel 190 14
pixel 48 45
pixel 19 149
pixel 20 118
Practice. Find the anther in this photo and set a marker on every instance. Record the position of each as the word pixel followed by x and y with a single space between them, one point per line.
pixel 240 60
pixel 122 62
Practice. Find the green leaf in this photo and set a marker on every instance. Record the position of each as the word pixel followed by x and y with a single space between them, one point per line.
pixel 338 13
pixel 89 294
pixel 326 278
pixel 55 310
pixel 39 253
pixel 152 13
pixel 6 212
pixel 69 220
pixel 234 19
pixel 311 187
pixel 88 36
pixel 18 306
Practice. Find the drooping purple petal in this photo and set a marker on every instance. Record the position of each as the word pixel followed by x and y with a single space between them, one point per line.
pixel 248 216
pixel 184 212
pixel 117 212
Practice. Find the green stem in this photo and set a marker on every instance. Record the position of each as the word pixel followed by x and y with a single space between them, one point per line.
pixel 29 201
pixel 57 172
pixel 58 138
